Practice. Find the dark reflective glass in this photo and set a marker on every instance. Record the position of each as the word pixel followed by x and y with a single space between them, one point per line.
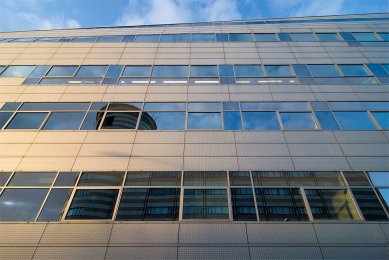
pixel 248 70
pixel 180 37
pixel 158 106
pixel 241 37
pixel 165 178
pixel 230 105
pixel 329 179
pixel 39 71
pixel 302 37
pixel 18 71
pixel 370 37
pixel 92 204
pixel 62 71
pixel 369 204
pixel 260 121
pixel 128 38
pixel 204 71
pixel 377 70
pixel 99 106
pixel 170 71
pixel 162 121
pixel 206 106
pixel 353 70
pixel 328 36
pixel 55 205
pixel 27 121
pixel 147 38
pixel 205 204
pixel 204 121
pixel 356 179
pixel 32 179
pixel 243 207
pixel 269 178
pixel 34 106
pixel 381 117
pixel 384 195
pixel 92 71
pixel 66 179
pixel 64 121
pixel 354 121
pixel 101 179
pixel 92 120
pixel 326 120
pixel 85 39
pixel 240 178
pixel 21 204
pixel 31 81
pixel 204 178
pixel 278 70
pixel 137 71
pixel 114 71
pixel 10 106
pixel 120 120
pixel 4 116
pixel 297 121
pixel 301 70
pixel 323 70
pixel 232 121
pixel 110 39
pixel 4 176
pixel 265 37
pixel 203 37
pixel 110 81
pixel 222 37
pixel 379 178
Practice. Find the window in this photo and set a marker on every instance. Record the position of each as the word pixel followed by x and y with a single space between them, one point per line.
pixel 248 71
pixel 230 105
pixel 265 37
pixel 147 38
pixel 62 71
pixel 356 178
pixel 85 39
pixel 136 71
pixel 323 70
pixel 165 178
pixel 205 204
pixel 92 71
pixel 353 70
pixel 365 37
pixel 4 176
pixel 243 207
pixel 301 70
pixel 326 120
pixel 92 204
pixel 204 121
pixel 101 179
pixel 182 37
pixel 354 121
pixel 64 121
pixel 384 36
pixel 92 120
pixel 55 205
pixel 240 178
pixel 122 106
pixel 292 121
pixel 66 179
pixel 269 178
pixel 21 204
pixel 384 195
pixel 199 178
pixel 17 71
pixel 269 106
pixel 32 179
pixel 278 70
pixel 232 121
pixel 110 39
pixel 114 71
pixel 222 37
pixel 153 204
pixel 128 38
pixel 170 71
pixel 382 118
pixel 204 71
pixel 302 37
pixel 369 204
pixel 284 37
pixel 34 106
pixel 379 178
pixel 331 204
pixel 241 37
pixel 27 121
pixel 377 70
pixel 39 71
pixel 199 106
pixel 203 37
pixel 162 121
pixel 260 121
pixel 4 116
pixel 120 120
pixel 328 36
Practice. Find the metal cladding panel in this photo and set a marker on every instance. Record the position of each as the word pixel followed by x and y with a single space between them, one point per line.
pixel 144 234
pixel 262 150
pixel 155 163
pixel 376 253
pixel 349 233
pixel 16 253
pixel 210 150
pixel 160 137
pixel 210 163
pixel 358 137
pixel 16 233
pixel 144 252
pixel 265 163
pixel 259 137
pixel 320 163
pixel 209 137
pixel 285 253
pixel 369 163
pixel 100 163
pixel 76 233
pixel 157 150
pixel 60 137
pixel 95 252
pixel 215 253
pixel 281 233
pixel 365 149
pixel 385 229
pixel 109 137
pixel 213 233
pixel 315 150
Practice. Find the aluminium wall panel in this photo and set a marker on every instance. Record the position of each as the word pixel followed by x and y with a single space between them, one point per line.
pixel 217 233
pixel 141 252
pixel 14 234
pixel 231 252
pixel 74 252
pixel 280 252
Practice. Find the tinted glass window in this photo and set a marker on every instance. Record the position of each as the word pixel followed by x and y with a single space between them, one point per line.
pixel 203 37
pixel 269 106
pixel 166 178
pixel 110 39
pixel 62 71
pixel 382 118
pixel 92 71
pixel 17 71
pixel 34 106
pixel 326 120
pixel 27 121
pixel 66 179
pixel 232 121
pixel 92 121
pixel 243 207
pixel 205 204
pixel 32 179
pixel 128 38
pixel 199 178
pixel 379 178
pixel 222 37
pixel 275 71
pixel 377 70
pixel 10 106
pixel 120 120
pixel 353 70
pixel 119 106
pixel 21 204
pixel 92 204
pixel 365 37
pixel 147 38
pixel 199 106
pixel 64 121
pixel 204 121
pixel 301 70
pixel 284 37
pixel 265 37
pixel 356 178
pixel 327 36
pixel 170 71
pixel 4 116
pixel 384 36
pixel 239 178
pixel 182 37
pixel 260 121
pixel 385 67
pixel 302 37
pixel 85 39
pixel 323 70
pixel 297 121
pixel 369 204
pixel 230 105
pixel 248 70
pixel 354 121
pixel 384 195
pixel 241 37
pixel 228 71
pixel 158 106
pixel 204 71
pixel 162 121
pixel 136 71
pixel 114 71
pixel 55 205
pixel 4 176
pixel 39 71
pixel 101 179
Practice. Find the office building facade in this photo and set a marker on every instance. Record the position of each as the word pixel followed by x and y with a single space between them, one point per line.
pixel 256 139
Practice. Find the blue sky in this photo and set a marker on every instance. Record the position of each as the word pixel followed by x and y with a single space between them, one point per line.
pixel 16 15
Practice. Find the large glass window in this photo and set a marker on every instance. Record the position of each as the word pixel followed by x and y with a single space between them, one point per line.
pixel 101 179
pixel 382 118
pixel 203 37
pixel 66 179
pixel 170 71
pixel 136 71
pixel 356 178
pixel 260 121
pixel 62 71
pixel 37 106
pixel 302 37
pixel 85 39
pixel 181 37
pixel 110 38
pixel 39 71
pixel 369 204
pixel 32 179
pixel 379 178
pixel 120 120
pixel 278 71
pixel 27 121
pixel 55 205
pixel 292 121
pixel 370 37
pixel 92 71
pixel 164 106
pixel 205 204
pixel 384 195
pixel 147 38
pixel 248 71
pixel 204 71
pixel 240 178
pixel 269 178
pixel 241 37
pixel 17 71
pixel 232 120
pixel 243 207
pixel 326 120
pixel 92 120
pixel 384 36
pixel 199 178
pixel 323 70
pixel 4 176
pixel 353 70
pixel 165 178
pixel 328 36
pixel 114 71
pixel 265 37
pixel 64 121
pixel 92 204
pixel 153 204
pixel 204 120
pixel 4 116
pixel 354 121
pixel 162 121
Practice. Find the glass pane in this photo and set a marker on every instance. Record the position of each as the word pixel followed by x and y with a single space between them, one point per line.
pixel 301 70
pixel 4 176
pixel 137 71
pixel 327 36
pixel 32 179
pixel 379 178
pixel 66 179
pixel 230 105
pixel 18 71
pixel 4 116
pixel 278 70
pixel 384 36
pixel 21 204
pixel 205 204
pixel 385 67
pixel 128 38
pixel 64 121
pixel 39 71
pixel 329 179
pixel 155 204
pixel 85 39
pixel 269 178
pixel 204 106
pixel 222 37
pixel 36 106
pixel 377 70
pixel 114 71
pixel 204 121
pixel 92 71
pixel 204 71
pixel 27 121
pixel 119 106
pixel 120 120
pixel 228 71
pixel 181 37
pixel 270 106
pixel 384 195
pixel 199 178
pixel 232 121
pixel 156 106
pixel 381 117
pixel 260 121
pixel 170 71
pixel 147 38
pixel 243 207
pixel 240 37
pixel 203 37
pixel 248 70
pixel 62 71
pixel 293 121
pixel 265 37
pixel 326 120
pixel 166 178
pixel 354 121
pixel 369 204
pixel 101 179
pixel 353 70
pixel 370 37
pixel 10 106
pixel 280 204
pixel 284 37
pixel 110 39
pixel 92 121
pixel 240 178
pixel 162 121
pixel 356 178
pixel 331 204
pixel 301 178
pixel 55 205
pixel 302 37
pixel 323 70
pixel 92 204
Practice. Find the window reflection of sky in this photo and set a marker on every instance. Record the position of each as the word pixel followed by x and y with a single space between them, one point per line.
pixel 260 121
pixel 204 121
pixel 297 121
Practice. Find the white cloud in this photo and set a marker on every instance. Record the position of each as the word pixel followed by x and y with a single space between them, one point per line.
pixel 294 8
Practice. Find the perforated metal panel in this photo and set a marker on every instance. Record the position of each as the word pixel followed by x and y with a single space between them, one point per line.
pixel 93 252
pixel 265 163
pixel 376 253
pixel 209 137
pixel 357 136
pixel 259 137
pixel 146 252
pixel 262 150
pixel 21 233
pixel 16 253
pixel 320 163
pixel 285 253
pixel 214 253
pixel 385 230
pixel 213 233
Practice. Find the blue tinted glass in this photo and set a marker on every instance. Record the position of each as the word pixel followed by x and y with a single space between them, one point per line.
pixel 377 70
pixel 110 39
pixel 370 37
pixel 162 121
pixel 154 106
pixel 222 37
pixel 326 120
pixel 230 105
pixel 27 121
pixel 64 121
pixel 11 106
pixel 17 71
pixel 278 70
pixel 92 71
pixel 284 37
pixel 32 179
pixel 265 37
pixel 92 121
pixel 4 116
pixel 379 178
pixel 354 121
pixel 110 81
pixel 240 37
pixel 203 37
pixel 128 38
pixel 35 81
pixel 122 106
pixel 327 36
pixel 293 121
pixel 147 38
pixel 137 71
pixel 384 194
pixel 353 70
pixel 226 71
pixel 85 39
pixel 263 106
pixel 39 71
pixel 260 121
pixel 62 71
pixel 347 36
pixel 182 37
pixel 385 67
pixel 232 121
pixel 31 106
pixel 319 105
pixel 204 71
pixel 55 205
pixel 204 121
pixel 114 71
pixel 101 179
pixel 248 70
pixel 198 106
pixel 382 118
pixel 302 37
pixel 384 36
pixel 301 70
pixel 323 70
pixel 170 71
